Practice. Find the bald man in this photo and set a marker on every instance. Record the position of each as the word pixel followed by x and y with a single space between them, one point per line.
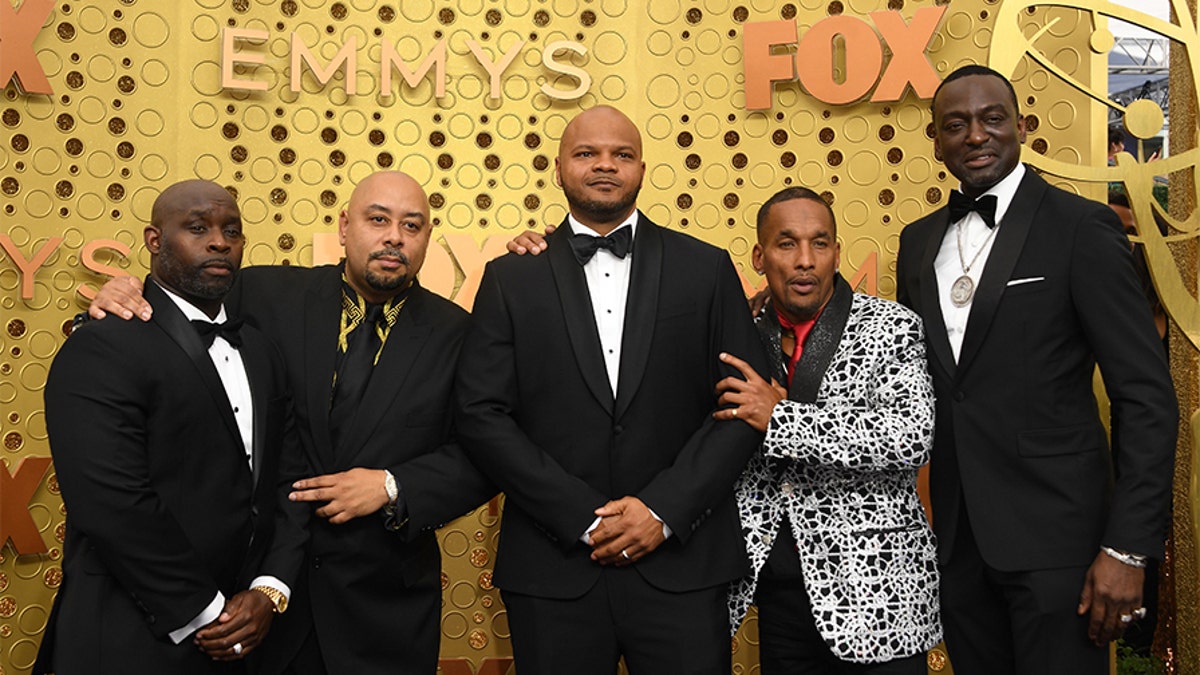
pixel 166 439
pixel 370 356
pixel 587 390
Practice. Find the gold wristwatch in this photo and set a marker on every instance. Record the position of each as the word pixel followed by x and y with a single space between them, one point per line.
pixel 276 596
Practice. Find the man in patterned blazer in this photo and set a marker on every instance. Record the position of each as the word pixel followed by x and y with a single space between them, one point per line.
pixel 836 481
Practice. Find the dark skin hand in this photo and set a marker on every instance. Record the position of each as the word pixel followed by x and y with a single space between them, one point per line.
pixel 121 296
pixel 626 524
pixel 245 620
pixel 348 495
pixel 754 398
pixel 529 242
pixel 1111 589
pixel 758 301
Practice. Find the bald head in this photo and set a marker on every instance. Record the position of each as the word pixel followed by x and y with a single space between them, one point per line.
pixel 385 230
pixel 185 195
pixel 600 167
pixel 195 242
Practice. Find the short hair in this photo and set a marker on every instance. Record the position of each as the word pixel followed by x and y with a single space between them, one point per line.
pixel 1118 198
pixel 975 69
pixel 786 195
pixel 1116 137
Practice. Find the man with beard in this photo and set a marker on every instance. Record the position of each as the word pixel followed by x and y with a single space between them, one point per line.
pixel 370 357
pixel 166 439
pixel 587 388
pixel 1024 289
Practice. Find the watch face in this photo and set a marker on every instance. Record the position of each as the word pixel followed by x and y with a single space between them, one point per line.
pixel 281 605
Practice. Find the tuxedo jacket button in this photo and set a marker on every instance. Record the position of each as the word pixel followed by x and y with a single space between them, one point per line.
pixel 959 396
pixel 618 429
pixel 316 562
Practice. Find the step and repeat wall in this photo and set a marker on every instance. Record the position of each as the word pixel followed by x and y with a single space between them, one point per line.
pixel 289 103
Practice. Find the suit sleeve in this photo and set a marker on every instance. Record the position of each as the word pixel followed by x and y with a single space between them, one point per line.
pixel 706 468
pixel 1117 322
pixel 891 429
pixel 97 410
pixel 440 486
pixel 286 555
pixel 488 401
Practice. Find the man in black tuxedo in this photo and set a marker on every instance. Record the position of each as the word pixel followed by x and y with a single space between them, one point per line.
pixel 166 439
pixel 1024 288
pixel 586 387
pixel 370 356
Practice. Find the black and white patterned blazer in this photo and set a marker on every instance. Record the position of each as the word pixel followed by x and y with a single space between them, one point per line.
pixel 843 469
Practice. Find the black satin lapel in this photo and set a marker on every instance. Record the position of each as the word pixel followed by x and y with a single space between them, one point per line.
pixel 322 311
pixel 821 344
pixel 1010 241
pixel 931 306
pixel 577 311
pixel 258 372
pixel 401 350
pixel 771 336
pixel 641 307
pixel 176 325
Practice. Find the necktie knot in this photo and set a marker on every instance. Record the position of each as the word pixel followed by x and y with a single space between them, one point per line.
pixel 230 330
pixel 619 242
pixel 961 205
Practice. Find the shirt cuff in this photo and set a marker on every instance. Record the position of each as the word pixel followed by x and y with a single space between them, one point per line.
pixel 273 582
pixel 666 527
pixel 586 537
pixel 202 619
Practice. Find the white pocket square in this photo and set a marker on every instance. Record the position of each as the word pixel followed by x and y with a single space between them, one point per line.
pixel 1026 280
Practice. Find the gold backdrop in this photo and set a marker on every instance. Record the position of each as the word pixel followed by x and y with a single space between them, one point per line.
pixel 147 93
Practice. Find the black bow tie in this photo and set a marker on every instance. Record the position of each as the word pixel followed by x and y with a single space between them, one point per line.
pixel 619 242
pixel 961 205
pixel 230 330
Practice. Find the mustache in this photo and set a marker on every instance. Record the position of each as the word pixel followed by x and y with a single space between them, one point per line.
pixel 390 253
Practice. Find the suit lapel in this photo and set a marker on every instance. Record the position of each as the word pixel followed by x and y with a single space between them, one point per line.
pixel 322 309
pixel 641 307
pixel 577 312
pixel 175 324
pixel 258 372
pixel 821 344
pixel 401 350
pixel 935 323
pixel 1010 240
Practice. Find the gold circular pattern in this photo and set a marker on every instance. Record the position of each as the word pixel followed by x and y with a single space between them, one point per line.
pixel 445 581
pixel 3 582
pixel 8 607
pixel 933 195
pixel 480 557
pixel 478 638
pixel 486 601
pixel 485 580
pixel 6 631
pixel 53 577
pixel 1143 118
pixel 936 660
pixel 16 328
pixel 1039 145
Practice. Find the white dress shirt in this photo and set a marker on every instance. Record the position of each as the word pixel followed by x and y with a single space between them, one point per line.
pixel 232 371
pixel 608 286
pixel 977 239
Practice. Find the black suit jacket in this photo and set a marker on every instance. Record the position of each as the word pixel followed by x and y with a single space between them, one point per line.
pixel 371 593
pixel 539 417
pixel 163 509
pixel 1018 438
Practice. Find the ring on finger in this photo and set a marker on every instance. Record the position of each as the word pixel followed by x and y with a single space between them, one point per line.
pixel 237 648
pixel 733 412
pixel 1139 613
pixel 625 554
pixel 1126 618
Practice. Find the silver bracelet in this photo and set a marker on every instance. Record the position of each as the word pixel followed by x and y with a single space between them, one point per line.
pixel 1131 559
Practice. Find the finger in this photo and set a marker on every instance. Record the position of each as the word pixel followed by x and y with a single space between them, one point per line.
pixel 310 495
pixel 744 368
pixel 326 480
pixel 734 384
